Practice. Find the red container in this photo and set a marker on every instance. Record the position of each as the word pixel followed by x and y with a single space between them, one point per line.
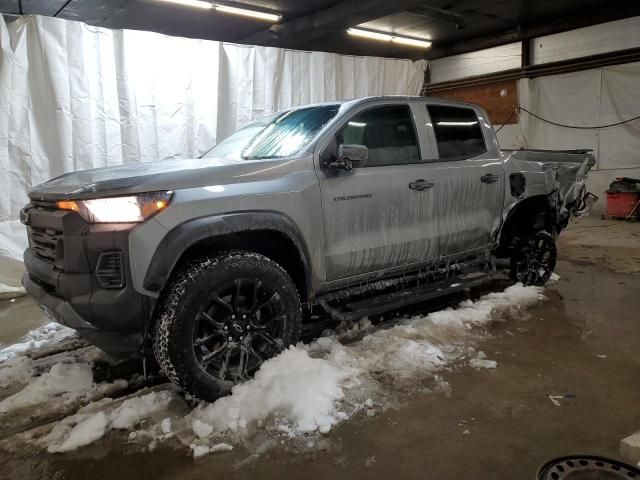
pixel 621 204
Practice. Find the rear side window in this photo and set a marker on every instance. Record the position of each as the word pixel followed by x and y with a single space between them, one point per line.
pixel 458 132
pixel 388 132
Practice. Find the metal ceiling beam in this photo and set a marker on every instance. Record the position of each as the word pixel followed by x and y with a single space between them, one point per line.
pixel 333 19
pixel 438 14
pixel 64 5
pixel 519 34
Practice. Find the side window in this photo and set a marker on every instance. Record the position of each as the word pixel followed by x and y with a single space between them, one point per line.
pixel 458 132
pixel 388 132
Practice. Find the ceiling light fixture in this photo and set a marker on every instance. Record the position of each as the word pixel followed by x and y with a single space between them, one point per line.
pixel 191 3
pixel 412 42
pixel 356 32
pixel 248 13
pixel 385 37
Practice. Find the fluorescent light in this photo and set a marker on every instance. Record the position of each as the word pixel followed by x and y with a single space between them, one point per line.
pixel 357 124
pixel 413 42
pixel 456 124
pixel 248 13
pixel 191 3
pixel 385 37
pixel 369 34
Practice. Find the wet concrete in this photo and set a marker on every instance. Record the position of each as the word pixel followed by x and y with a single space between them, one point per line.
pixel 17 317
pixel 496 424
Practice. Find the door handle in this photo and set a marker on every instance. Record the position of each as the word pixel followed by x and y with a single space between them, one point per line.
pixel 421 184
pixel 489 178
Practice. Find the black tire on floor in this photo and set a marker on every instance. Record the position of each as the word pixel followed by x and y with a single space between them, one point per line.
pixel 534 259
pixel 202 340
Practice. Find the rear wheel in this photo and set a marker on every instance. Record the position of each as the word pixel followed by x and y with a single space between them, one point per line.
pixel 222 318
pixel 534 259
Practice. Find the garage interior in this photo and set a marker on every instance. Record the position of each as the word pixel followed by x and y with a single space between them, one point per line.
pixel 97 83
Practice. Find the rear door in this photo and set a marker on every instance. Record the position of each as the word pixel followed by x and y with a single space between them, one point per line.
pixel 374 217
pixel 468 177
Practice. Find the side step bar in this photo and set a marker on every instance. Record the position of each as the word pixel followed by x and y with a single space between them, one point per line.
pixel 353 311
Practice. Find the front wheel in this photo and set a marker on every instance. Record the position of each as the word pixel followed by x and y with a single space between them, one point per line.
pixel 534 259
pixel 222 318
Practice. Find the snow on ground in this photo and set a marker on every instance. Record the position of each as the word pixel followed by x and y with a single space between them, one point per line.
pixel 36 339
pixel 9 291
pixel 86 427
pixel 63 378
pixel 305 391
pixel 15 366
pixel 311 388
pixel 47 375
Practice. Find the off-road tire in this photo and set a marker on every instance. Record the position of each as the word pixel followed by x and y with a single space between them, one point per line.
pixel 174 327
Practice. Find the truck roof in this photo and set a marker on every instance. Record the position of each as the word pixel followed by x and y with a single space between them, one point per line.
pixel 408 98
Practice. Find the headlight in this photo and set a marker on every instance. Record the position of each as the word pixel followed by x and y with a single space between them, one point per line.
pixel 130 209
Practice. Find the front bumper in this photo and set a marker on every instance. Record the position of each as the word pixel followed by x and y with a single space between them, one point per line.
pixel 70 273
pixel 62 312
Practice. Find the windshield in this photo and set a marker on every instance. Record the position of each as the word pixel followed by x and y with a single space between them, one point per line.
pixel 279 135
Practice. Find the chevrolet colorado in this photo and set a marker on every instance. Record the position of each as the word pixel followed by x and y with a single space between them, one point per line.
pixel 212 265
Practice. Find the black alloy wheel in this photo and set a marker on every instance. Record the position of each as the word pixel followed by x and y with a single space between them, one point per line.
pixel 534 259
pixel 240 327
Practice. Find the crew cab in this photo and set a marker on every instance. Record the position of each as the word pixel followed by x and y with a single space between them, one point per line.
pixel 336 210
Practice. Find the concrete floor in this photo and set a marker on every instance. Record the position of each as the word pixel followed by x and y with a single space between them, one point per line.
pixel 583 341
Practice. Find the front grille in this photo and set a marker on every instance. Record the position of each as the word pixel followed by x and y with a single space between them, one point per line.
pixel 46 243
pixel 109 269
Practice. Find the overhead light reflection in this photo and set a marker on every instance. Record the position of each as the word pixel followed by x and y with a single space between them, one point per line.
pixel 215 188
pixel 456 124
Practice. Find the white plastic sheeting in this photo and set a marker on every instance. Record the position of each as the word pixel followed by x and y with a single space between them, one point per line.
pixel 74 96
pixel 592 97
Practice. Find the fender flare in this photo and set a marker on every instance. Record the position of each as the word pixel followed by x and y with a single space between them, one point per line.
pixel 514 209
pixel 178 240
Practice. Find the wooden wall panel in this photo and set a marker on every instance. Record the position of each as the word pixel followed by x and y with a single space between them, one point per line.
pixel 499 99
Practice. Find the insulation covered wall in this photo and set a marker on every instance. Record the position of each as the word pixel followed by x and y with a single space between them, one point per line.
pixel 594 97
pixel 74 97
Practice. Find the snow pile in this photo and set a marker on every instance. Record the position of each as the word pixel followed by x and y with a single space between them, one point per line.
pixel 481 361
pixel 165 426
pixel 85 432
pixel 62 378
pixel 421 345
pixel 294 389
pixel 35 339
pixel 302 389
pixel 202 450
pixel 83 429
pixel 9 291
pixel 15 371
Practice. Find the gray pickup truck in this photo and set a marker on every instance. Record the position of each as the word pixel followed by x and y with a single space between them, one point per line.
pixel 337 210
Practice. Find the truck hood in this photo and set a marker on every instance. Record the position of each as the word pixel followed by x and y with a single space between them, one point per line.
pixel 169 174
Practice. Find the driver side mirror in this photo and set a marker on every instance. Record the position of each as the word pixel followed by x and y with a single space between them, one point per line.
pixel 349 157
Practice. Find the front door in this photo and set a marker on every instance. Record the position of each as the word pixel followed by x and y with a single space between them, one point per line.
pixel 377 216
